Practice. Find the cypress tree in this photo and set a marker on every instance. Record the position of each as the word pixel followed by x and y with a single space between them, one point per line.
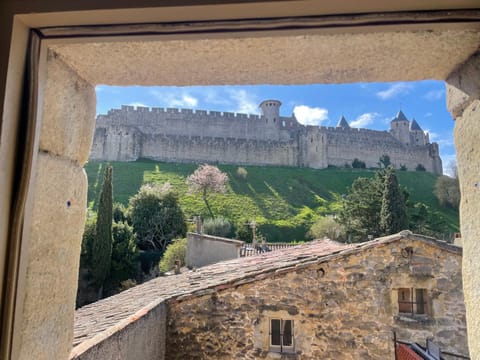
pixel 102 245
pixel 393 214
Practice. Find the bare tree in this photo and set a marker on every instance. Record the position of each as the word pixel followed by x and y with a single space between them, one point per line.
pixel 206 179
pixel 452 169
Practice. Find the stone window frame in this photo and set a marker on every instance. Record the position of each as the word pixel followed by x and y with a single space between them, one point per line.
pixel 22 24
pixel 426 316
pixel 262 331
pixel 416 307
pixel 282 348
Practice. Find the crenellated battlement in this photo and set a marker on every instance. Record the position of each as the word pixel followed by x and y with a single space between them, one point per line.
pixel 141 110
pixel 190 135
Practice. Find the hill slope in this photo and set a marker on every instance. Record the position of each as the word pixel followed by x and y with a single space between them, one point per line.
pixel 284 201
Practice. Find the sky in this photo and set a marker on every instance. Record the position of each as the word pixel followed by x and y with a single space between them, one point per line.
pixel 364 105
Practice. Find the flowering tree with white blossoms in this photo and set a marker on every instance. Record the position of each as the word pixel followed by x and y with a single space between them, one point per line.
pixel 206 179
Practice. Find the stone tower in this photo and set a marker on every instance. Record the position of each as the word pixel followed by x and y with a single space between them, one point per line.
pixel 271 111
pixel 400 128
pixel 418 136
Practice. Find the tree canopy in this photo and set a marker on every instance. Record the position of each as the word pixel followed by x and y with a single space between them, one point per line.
pixel 393 214
pixel 360 213
pixel 156 217
pixel 447 191
pixel 102 242
pixel 374 206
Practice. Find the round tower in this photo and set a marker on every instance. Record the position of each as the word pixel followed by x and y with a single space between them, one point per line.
pixel 271 111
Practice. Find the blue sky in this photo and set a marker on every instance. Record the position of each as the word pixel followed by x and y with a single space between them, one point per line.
pixel 366 105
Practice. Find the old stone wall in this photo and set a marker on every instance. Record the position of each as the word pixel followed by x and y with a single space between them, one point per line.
pixel 342 308
pixel 183 135
pixel 344 145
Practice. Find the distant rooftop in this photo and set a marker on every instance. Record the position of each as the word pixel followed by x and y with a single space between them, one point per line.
pixel 343 123
pixel 414 126
pixel 400 117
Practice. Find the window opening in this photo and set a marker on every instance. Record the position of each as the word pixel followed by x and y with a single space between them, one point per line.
pixel 412 301
pixel 281 334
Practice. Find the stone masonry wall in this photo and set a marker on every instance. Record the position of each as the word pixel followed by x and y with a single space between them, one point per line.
pixel 342 308
pixel 344 145
pixel 182 135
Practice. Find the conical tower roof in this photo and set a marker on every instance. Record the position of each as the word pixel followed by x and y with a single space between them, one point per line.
pixel 342 123
pixel 414 126
pixel 400 117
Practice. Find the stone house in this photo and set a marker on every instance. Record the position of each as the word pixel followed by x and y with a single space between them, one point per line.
pixel 320 300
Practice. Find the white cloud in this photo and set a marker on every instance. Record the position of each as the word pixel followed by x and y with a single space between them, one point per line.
pixel 175 99
pixel 432 135
pixel 394 90
pixel 364 120
pixel 245 103
pixel 428 114
pixel 434 95
pixel 185 100
pixel 310 116
pixel 136 104
pixel 443 140
pixel 212 96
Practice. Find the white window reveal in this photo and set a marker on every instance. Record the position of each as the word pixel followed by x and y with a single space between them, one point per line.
pixel 281 335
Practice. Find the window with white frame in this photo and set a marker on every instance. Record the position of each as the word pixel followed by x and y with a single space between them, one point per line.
pixel 281 335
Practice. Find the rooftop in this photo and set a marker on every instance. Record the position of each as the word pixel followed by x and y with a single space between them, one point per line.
pixel 126 307
pixel 400 117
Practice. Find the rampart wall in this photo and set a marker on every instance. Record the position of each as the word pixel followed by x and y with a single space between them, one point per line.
pixel 183 135
pixel 345 144
pixel 200 123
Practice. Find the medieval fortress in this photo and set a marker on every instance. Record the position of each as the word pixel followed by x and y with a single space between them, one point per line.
pixel 182 135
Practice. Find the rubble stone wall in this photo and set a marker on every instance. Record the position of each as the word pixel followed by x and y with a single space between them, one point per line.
pixel 343 308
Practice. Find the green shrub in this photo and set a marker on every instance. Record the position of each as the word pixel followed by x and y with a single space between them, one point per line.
pixel 119 212
pixel 242 173
pixel 327 227
pixel 124 254
pixel 218 226
pixel 403 167
pixel 177 250
pixel 87 241
pixel 420 167
pixel 447 191
pixel 358 164
pixel 384 161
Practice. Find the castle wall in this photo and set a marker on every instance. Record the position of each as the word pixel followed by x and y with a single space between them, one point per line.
pixel 344 145
pixel 199 123
pixel 179 148
pixel 182 135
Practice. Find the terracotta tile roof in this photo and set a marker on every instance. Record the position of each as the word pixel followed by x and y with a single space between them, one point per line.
pixel 96 318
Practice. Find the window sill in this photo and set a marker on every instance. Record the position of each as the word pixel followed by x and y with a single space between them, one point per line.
pixel 417 319
pixel 276 354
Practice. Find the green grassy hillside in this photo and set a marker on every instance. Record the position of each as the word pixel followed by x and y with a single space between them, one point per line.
pixel 284 201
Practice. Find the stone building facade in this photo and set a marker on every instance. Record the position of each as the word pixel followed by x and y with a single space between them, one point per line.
pixel 184 135
pixel 320 300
